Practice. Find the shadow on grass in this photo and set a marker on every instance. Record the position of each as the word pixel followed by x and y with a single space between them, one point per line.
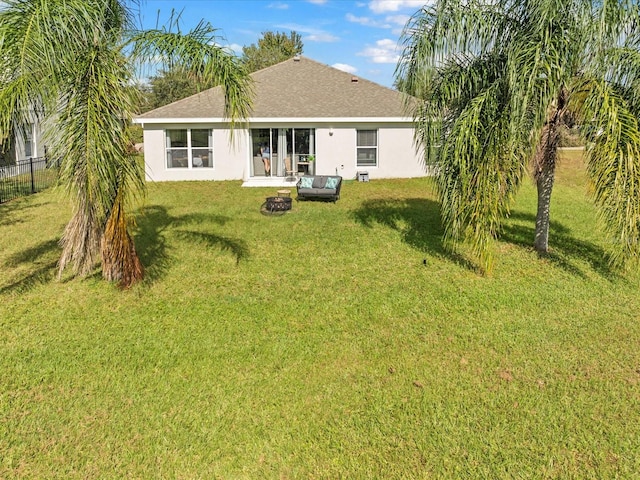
pixel 519 230
pixel 42 270
pixel 238 248
pixel 418 219
pixel 154 223
pixel 13 212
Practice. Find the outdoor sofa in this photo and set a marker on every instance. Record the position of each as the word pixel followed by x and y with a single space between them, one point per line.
pixel 319 186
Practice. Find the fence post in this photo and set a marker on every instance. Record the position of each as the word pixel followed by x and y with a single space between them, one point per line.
pixel 33 185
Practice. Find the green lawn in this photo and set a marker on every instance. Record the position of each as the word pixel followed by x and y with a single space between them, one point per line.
pixel 318 344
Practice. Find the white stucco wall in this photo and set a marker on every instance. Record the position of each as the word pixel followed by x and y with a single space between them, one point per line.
pixel 397 158
pixel 229 158
pixel 335 152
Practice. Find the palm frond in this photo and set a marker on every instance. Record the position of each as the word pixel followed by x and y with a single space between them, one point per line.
pixel 624 71
pixel 450 89
pixel 435 34
pixel 613 165
pixel 199 54
pixel 477 177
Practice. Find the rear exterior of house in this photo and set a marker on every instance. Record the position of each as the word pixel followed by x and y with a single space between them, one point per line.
pixel 307 118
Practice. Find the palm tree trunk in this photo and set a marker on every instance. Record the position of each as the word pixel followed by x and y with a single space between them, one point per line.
pixel 545 169
pixel 544 181
pixel 120 262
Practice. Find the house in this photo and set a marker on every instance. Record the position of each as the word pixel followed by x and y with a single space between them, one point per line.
pixel 23 145
pixel 307 118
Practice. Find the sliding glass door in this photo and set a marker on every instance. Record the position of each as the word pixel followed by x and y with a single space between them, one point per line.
pixel 280 152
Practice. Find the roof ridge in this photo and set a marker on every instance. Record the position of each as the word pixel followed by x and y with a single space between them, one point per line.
pixel 274 65
pixel 163 107
pixel 351 74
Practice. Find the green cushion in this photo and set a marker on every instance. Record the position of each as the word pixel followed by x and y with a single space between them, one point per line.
pixel 306 182
pixel 332 182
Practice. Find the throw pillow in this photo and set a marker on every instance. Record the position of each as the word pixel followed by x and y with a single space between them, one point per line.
pixel 306 182
pixel 332 182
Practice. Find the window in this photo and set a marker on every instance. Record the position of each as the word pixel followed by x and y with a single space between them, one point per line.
pixel 190 148
pixel 367 148
pixel 28 141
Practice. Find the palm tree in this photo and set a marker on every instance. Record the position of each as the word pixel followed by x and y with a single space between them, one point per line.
pixel 496 80
pixel 70 65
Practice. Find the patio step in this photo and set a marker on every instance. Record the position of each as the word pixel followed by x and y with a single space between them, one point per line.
pixel 269 182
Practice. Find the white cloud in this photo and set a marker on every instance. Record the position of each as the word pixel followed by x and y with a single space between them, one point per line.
pixel 321 37
pixel 398 19
pixel 345 67
pixel 318 2
pixel 278 5
pixel 398 22
pixel 312 34
pixel 385 51
pixel 390 21
pixel 366 21
pixel 381 6
pixel 235 47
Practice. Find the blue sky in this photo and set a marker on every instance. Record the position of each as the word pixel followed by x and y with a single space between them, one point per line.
pixel 360 37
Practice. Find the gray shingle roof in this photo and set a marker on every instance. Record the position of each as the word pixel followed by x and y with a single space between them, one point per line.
pixel 297 88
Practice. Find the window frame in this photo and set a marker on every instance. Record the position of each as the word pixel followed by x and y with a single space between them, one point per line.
pixel 374 147
pixel 189 148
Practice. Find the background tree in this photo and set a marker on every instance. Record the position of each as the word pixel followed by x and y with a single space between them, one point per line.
pixel 272 48
pixel 73 62
pixel 497 80
pixel 170 85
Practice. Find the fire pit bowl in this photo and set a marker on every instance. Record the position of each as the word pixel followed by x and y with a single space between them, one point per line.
pixel 276 205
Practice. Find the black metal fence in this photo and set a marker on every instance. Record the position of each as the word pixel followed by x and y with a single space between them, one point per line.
pixel 27 177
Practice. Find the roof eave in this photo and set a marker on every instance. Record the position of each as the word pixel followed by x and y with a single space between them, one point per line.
pixel 275 120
